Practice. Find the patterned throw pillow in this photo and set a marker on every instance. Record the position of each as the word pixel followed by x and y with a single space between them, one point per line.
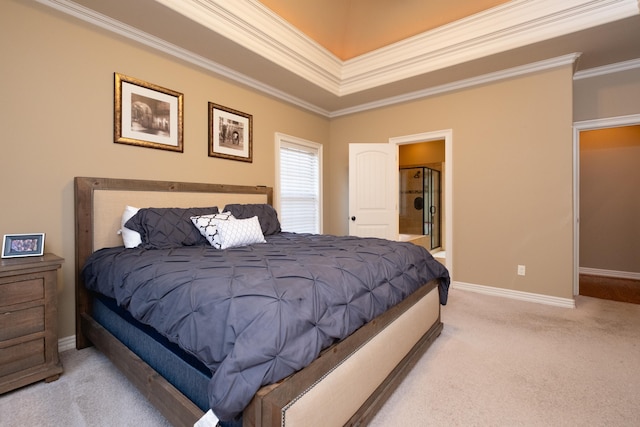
pixel 240 232
pixel 208 226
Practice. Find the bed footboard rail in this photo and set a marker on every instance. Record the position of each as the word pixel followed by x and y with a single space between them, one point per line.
pixel 175 406
pixel 356 376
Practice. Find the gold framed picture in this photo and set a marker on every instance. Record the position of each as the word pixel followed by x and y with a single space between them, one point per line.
pixel 147 115
pixel 230 133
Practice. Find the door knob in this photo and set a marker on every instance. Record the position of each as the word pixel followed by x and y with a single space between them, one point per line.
pixel 353 218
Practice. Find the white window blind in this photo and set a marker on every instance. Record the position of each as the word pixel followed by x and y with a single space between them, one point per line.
pixel 300 207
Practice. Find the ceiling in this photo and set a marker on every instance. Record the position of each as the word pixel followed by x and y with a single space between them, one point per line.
pixel 335 57
pixel 349 28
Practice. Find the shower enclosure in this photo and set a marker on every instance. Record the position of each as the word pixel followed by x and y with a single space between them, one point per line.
pixel 420 203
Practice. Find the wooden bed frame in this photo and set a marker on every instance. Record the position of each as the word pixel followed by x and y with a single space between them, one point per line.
pixel 346 385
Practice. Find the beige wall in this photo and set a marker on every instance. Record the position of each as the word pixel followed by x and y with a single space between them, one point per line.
pixel 512 146
pixel 57 122
pixel 512 176
pixel 610 95
pixel 609 199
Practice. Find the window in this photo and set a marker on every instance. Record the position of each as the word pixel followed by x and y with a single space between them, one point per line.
pixel 299 164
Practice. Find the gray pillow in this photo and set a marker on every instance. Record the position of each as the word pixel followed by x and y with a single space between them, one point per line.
pixel 163 228
pixel 266 214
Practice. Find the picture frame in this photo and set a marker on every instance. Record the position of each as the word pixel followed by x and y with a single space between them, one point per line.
pixel 22 245
pixel 147 115
pixel 230 133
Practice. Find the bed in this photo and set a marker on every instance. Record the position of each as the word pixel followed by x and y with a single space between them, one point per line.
pixel 342 378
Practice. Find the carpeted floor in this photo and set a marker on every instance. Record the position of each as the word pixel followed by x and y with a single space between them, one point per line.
pixel 90 392
pixel 498 362
pixel 503 362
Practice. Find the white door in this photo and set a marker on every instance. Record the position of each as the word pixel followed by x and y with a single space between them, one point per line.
pixel 373 190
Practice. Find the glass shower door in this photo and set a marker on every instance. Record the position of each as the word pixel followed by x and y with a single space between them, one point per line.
pixel 420 203
pixel 432 211
pixel 411 201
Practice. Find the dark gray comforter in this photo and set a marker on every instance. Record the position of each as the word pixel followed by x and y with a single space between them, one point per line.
pixel 257 314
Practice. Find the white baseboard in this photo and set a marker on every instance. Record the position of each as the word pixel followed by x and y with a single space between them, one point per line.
pixel 519 295
pixel 67 343
pixel 609 273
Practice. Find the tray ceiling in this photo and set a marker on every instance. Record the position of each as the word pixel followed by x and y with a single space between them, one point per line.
pixel 248 42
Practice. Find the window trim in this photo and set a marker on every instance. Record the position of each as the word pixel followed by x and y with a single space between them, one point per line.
pixel 280 139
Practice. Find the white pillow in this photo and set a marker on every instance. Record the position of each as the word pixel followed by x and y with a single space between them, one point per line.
pixel 130 238
pixel 240 232
pixel 208 226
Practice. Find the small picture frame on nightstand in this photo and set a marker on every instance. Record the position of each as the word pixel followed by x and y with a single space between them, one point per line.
pixel 21 245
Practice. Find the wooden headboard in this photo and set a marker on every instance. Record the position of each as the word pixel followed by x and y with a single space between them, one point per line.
pixel 100 202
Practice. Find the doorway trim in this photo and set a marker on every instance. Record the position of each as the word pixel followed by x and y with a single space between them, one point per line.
pixel 438 135
pixel 610 122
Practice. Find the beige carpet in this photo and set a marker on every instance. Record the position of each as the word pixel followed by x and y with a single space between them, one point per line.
pixel 498 362
pixel 90 392
pixel 502 362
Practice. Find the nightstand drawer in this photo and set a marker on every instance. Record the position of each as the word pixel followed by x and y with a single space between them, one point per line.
pixel 28 321
pixel 21 322
pixel 21 356
pixel 21 291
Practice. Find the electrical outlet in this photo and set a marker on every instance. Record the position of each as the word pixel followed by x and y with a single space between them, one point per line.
pixel 521 270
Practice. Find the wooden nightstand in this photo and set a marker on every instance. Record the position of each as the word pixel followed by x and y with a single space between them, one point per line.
pixel 28 321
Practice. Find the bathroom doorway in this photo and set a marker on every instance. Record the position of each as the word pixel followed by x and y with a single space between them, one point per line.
pixel 420 203
pixel 435 147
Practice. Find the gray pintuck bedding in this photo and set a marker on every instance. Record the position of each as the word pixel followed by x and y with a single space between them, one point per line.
pixel 258 313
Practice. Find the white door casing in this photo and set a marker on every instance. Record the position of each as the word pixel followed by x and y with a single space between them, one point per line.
pixel 447 208
pixel 362 226
pixel 586 125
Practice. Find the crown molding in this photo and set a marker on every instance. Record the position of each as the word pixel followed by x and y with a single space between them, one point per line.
pixel 509 26
pixel 92 17
pixel 607 69
pixel 505 27
pixel 88 15
pixel 256 28
pixel 462 84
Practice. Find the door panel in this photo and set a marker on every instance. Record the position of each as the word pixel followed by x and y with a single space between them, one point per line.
pixel 373 190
